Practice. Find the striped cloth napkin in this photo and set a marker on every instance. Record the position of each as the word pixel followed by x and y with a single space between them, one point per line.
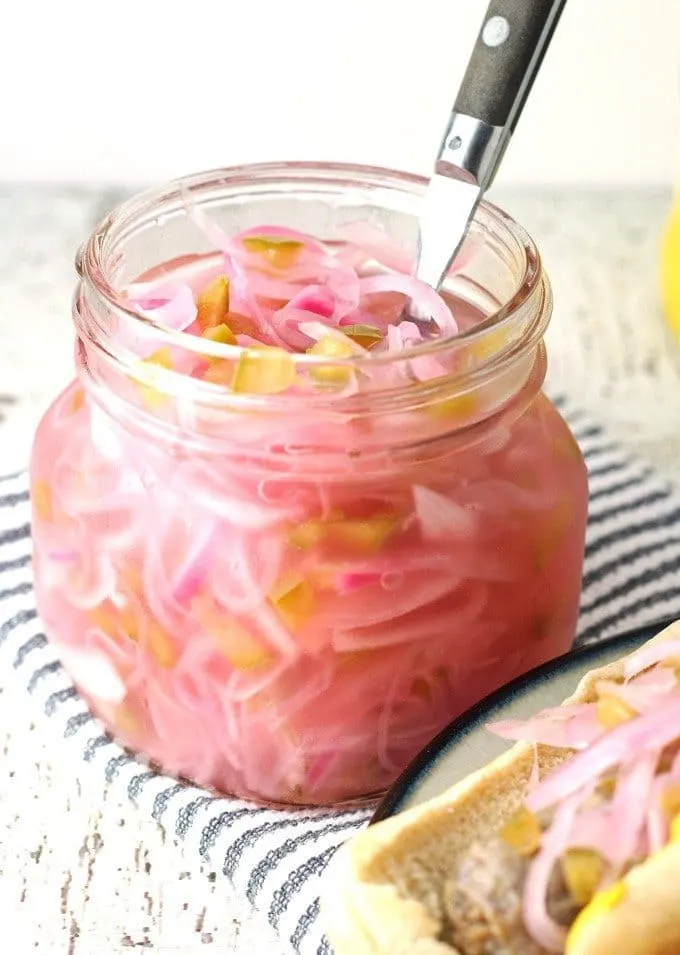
pixel 275 859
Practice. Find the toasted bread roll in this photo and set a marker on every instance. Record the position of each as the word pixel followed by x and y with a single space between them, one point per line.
pixel 386 890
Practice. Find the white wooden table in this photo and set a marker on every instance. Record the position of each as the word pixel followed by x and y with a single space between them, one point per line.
pixel 82 873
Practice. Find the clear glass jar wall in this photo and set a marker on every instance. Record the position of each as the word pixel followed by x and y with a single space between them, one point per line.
pixel 284 596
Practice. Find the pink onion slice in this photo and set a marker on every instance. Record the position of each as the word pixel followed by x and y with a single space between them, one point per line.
pixel 194 571
pixel 440 517
pixel 172 306
pixel 650 654
pixel 576 730
pixel 642 696
pixel 629 806
pixel 647 733
pixel 365 241
pixel 426 304
pixel 540 925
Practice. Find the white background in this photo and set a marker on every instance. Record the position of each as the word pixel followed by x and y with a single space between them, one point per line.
pixel 142 90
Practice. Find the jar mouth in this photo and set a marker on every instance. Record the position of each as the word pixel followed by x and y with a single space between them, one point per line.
pixel 94 260
pixel 470 366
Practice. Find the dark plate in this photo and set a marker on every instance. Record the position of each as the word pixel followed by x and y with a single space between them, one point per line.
pixel 465 745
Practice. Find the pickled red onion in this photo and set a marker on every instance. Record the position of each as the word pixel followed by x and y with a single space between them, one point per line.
pixel 573 730
pixel 174 307
pixel 318 299
pixel 63 556
pixel 650 654
pixel 287 321
pixel 280 279
pixel 243 574
pixel 425 303
pixel 198 545
pixel 217 236
pixel 320 767
pixel 629 807
pixel 348 582
pixel 439 517
pixel 642 697
pixel 364 241
pixel 404 336
pixel 194 571
pixel 647 733
pixel 544 930
pixel 658 823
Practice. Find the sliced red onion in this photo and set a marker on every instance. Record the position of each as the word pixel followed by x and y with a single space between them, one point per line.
pixel 63 556
pixel 425 303
pixel 242 576
pixel 344 283
pixel 427 367
pixel 540 926
pixel 287 323
pixel 659 678
pixel 242 298
pixel 245 684
pixel 642 697
pixel 404 335
pixel 237 510
pixel 217 236
pixel 277 635
pixel 175 309
pixel 592 829
pixel 367 241
pixel 658 828
pixel 321 767
pixel 194 571
pixel 318 299
pixel 401 338
pixel 348 582
pixel 650 654
pixel 647 733
pixel 263 286
pixel 577 731
pixel 629 806
pixel 440 517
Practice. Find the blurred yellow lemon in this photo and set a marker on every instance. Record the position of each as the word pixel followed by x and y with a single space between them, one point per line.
pixel 670 270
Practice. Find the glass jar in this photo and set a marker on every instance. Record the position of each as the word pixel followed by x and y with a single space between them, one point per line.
pixel 284 597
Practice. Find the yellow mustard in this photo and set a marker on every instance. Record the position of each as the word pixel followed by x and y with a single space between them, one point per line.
pixel 601 904
pixel 607 900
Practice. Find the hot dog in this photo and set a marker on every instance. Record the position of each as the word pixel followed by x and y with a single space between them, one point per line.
pixel 568 843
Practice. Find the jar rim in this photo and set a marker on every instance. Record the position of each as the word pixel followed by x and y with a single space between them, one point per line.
pixel 91 269
pixel 99 292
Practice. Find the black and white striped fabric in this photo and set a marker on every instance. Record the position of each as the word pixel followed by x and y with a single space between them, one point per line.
pixel 276 859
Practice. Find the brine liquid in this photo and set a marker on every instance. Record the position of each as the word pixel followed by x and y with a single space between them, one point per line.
pixel 292 638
